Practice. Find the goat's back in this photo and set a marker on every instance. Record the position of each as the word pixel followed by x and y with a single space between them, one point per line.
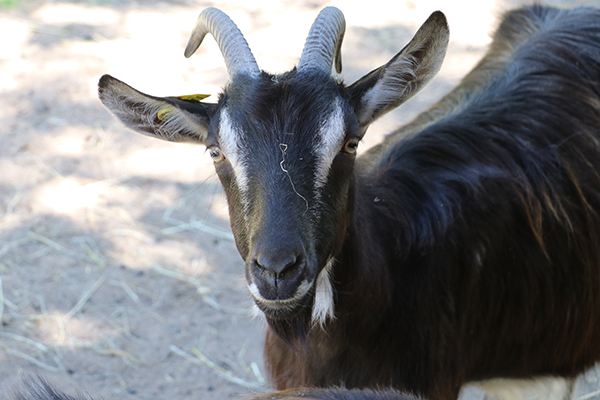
pixel 522 36
pixel 496 190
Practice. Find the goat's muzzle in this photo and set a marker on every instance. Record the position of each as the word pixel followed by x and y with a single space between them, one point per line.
pixel 279 280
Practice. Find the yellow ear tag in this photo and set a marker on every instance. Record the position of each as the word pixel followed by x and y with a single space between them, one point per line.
pixel 195 97
pixel 162 114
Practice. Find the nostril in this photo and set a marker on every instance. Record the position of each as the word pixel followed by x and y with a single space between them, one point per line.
pixel 277 266
pixel 260 264
pixel 290 267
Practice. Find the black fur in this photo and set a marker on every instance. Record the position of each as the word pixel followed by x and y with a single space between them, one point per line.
pixel 467 243
pixel 40 389
pixel 473 248
pixel 336 394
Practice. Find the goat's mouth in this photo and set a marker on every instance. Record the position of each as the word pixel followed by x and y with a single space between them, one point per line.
pixel 284 309
pixel 315 296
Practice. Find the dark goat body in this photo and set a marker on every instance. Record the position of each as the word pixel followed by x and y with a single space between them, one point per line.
pixel 40 389
pixel 473 250
pixel 463 248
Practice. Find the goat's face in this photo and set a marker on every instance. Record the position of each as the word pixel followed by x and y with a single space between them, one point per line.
pixel 284 150
pixel 284 147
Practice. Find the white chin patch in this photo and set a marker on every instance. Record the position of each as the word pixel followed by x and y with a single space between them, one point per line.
pixel 255 312
pixel 323 308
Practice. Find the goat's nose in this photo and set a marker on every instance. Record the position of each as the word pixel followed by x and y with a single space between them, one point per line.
pixel 278 273
pixel 278 265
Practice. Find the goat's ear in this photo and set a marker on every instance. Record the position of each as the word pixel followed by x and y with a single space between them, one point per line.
pixel 405 74
pixel 167 118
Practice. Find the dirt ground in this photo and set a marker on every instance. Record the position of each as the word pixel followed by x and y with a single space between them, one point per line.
pixel 118 273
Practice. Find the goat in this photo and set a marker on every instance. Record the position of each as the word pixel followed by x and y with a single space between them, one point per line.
pixel 461 249
pixel 40 389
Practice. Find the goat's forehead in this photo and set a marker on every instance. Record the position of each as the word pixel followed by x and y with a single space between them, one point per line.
pixel 297 130
pixel 301 111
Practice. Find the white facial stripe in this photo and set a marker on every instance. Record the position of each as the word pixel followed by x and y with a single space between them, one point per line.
pixel 229 140
pixel 332 134
pixel 323 308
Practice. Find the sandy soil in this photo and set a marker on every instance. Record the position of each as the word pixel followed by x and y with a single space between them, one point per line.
pixel 118 273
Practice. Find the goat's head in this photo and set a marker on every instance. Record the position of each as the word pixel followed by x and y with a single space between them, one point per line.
pixel 284 148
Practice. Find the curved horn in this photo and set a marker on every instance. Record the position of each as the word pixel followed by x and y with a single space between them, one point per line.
pixel 235 50
pixel 324 41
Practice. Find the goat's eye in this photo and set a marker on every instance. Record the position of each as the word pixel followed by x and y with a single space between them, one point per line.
pixel 350 146
pixel 216 154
